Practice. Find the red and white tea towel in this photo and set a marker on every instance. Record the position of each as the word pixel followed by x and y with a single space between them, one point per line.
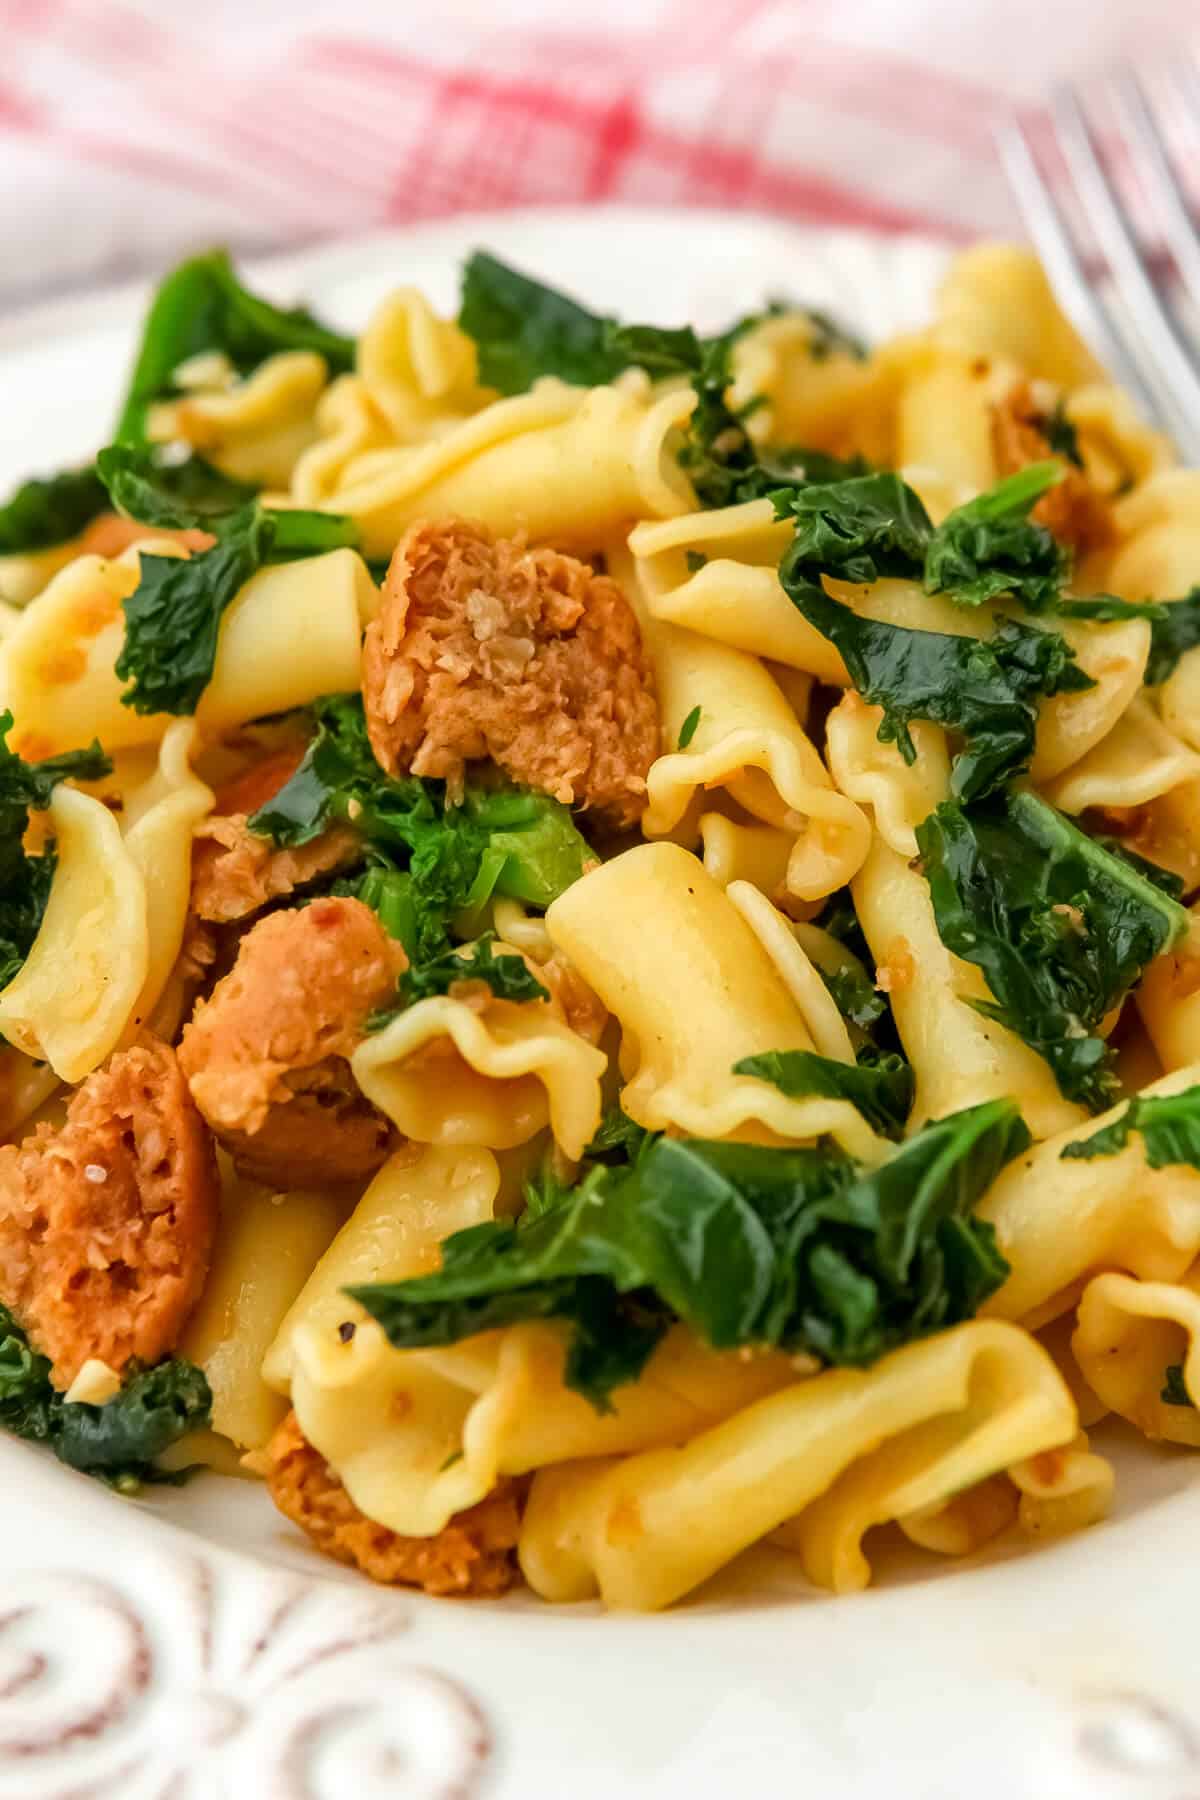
pixel 133 129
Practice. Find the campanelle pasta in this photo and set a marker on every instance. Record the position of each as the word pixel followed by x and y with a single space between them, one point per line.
pixel 616 976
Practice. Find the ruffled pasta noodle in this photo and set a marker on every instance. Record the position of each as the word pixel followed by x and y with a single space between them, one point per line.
pixel 959 1058
pixel 1129 1333
pixel 253 430
pixel 1058 1221
pixel 735 596
pixel 418 1435
pixel 56 665
pixel 691 1000
pixel 71 1002
pixel 447 1073
pixel 1138 761
pixel 294 632
pixel 899 794
pixel 347 425
pixel 835 1455
pixel 733 851
pixel 748 742
pixel 418 371
pixel 559 462
pixel 418 1197
pixel 160 818
pixel 267 1244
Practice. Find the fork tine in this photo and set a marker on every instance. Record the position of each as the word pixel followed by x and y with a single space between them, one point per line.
pixel 1156 171
pixel 1053 242
pixel 1169 364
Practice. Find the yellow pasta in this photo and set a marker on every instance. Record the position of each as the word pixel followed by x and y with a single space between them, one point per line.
pixel 924 1421
pixel 899 794
pixel 959 1058
pixel 561 462
pixel 253 430
pixel 417 1198
pixel 265 1250
pixel 417 370
pixel 72 1001
pixel 748 741
pixel 418 1435
pixel 1057 1221
pixel 293 633
pixel 1129 1338
pixel 160 818
pixel 678 1062
pixel 445 1073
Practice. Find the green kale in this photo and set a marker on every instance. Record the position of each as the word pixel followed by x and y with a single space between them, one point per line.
pixel 687 730
pixel 1060 927
pixel 25 880
pixel 144 484
pixel 1174 1389
pixel 618 1140
pixel 881 1087
pixel 202 306
pixel 523 330
pixel 173 617
pixel 50 510
pixel 1106 609
pixel 117 1442
pixel 431 861
pixel 1172 635
pixel 987 690
pixel 829 335
pixel 1169 1125
pixel 748 1245
pixel 856 999
pixel 991 548
pixel 1061 435
pixel 507 975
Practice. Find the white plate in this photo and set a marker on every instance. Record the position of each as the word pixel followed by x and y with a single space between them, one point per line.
pixel 189 1644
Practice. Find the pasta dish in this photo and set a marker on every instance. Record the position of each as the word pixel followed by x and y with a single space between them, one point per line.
pixel 595 960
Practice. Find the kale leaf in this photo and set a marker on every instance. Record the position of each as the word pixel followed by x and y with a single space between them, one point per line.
pixel 1172 635
pixel 507 975
pixel 524 330
pixel 880 1086
pixel 1174 1390
pixel 117 1442
pixel 173 617
pixel 1169 1125
pixel 985 690
pixel 50 510
pixel 431 861
pixel 991 548
pixel 749 1245
pixel 1061 927
pixel 619 1138
pixel 24 879
pixel 1062 436
pixel 202 306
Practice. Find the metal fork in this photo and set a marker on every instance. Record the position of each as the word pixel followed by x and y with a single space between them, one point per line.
pixel 1129 318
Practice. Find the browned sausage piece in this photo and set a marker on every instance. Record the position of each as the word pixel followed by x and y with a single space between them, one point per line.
pixel 473 1554
pixel 1072 510
pixel 266 1054
pixel 485 648
pixel 106 1225
pixel 236 873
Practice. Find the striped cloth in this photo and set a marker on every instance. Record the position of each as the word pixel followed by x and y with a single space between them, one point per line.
pixel 133 129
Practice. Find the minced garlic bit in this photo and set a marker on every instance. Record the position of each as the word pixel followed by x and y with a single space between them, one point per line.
pixel 96 1173
pixel 95 1384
